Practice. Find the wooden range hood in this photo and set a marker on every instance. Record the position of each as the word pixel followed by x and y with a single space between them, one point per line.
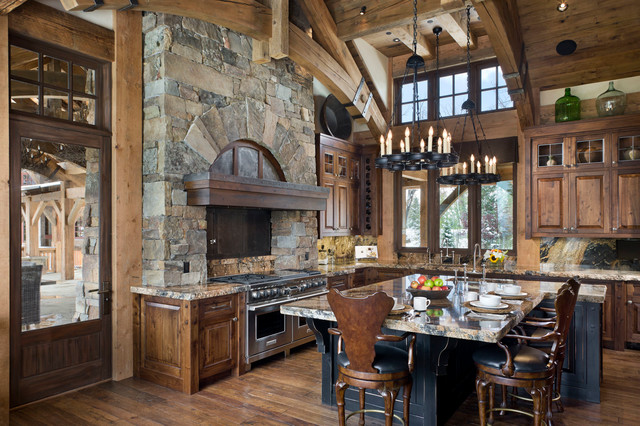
pixel 212 189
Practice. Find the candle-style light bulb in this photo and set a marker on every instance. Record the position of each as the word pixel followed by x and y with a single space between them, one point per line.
pixel 430 144
pixel 495 165
pixel 472 163
pixel 486 164
pixel 479 167
pixel 407 133
pixel 389 139
pixel 401 146
pixel 382 146
pixel 456 168
pixel 464 168
pixel 421 145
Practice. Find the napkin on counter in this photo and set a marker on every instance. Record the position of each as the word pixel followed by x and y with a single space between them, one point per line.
pixel 512 302
pixel 478 315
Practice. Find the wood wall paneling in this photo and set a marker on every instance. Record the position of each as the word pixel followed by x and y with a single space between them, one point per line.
pixel 127 183
pixel 4 223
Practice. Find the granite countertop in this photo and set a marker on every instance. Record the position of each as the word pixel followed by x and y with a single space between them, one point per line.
pixel 447 316
pixel 545 270
pixel 192 292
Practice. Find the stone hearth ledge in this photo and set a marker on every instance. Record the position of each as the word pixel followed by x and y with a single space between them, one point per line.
pixel 449 318
pixel 546 270
pixel 191 292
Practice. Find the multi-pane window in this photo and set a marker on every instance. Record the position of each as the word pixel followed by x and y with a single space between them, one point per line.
pixel 493 90
pixel 407 104
pixel 53 84
pixel 454 90
pixel 414 206
pixel 496 207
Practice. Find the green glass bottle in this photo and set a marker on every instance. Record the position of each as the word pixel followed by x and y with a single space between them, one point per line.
pixel 567 107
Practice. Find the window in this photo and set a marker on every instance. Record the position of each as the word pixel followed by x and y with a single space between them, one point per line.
pixel 454 216
pixel 414 203
pixel 454 90
pixel 248 159
pixel 55 84
pixel 46 235
pixel 493 90
pixel 407 101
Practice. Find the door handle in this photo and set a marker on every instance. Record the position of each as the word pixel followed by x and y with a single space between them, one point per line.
pixel 629 302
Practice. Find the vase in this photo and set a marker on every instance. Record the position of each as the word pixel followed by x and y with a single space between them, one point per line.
pixel 611 102
pixel 567 107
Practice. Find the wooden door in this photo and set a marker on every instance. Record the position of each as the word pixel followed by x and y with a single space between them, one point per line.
pixel 633 312
pixel 342 207
pixel 328 216
pixel 550 204
pixel 549 154
pixel 60 332
pixel 217 335
pixel 608 318
pixel 625 199
pixel 589 202
pixel 354 209
pixel 341 282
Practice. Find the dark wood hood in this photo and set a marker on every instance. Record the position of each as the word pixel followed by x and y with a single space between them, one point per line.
pixel 212 189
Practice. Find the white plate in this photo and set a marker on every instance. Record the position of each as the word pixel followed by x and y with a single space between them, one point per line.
pixel 506 295
pixel 397 307
pixel 480 305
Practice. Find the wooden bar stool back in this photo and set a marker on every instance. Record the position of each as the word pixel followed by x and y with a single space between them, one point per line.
pixel 523 366
pixel 363 361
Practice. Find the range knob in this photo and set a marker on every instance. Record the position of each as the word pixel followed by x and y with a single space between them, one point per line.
pixel 274 291
pixel 255 295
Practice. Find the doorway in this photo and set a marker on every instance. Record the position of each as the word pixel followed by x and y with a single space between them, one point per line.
pixel 60 258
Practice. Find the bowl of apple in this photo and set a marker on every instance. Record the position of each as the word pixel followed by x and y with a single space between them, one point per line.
pixel 432 288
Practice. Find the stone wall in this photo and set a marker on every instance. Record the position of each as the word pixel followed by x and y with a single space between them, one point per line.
pixel 344 248
pixel 599 253
pixel 201 93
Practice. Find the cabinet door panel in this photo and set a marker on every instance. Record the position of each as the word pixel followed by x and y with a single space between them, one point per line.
pixel 626 200
pixel 549 203
pixel 161 336
pixel 590 199
pixel 633 313
pixel 354 209
pixel 608 318
pixel 342 206
pixel 216 347
pixel 329 222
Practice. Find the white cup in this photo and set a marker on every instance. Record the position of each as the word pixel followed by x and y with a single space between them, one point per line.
pixel 489 300
pixel 421 303
pixel 397 303
pixel 470 296
pixel 490 287
pixel 511 289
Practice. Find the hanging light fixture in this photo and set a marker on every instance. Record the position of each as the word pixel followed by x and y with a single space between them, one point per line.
pixel 479 171
pixel 414 153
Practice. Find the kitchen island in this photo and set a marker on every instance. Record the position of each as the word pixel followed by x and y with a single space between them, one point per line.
pixel 446 338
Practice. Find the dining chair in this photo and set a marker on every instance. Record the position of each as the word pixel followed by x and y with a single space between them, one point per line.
pixel 514 363
pixel 364 359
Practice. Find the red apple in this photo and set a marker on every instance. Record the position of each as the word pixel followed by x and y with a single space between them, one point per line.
pixel 422 279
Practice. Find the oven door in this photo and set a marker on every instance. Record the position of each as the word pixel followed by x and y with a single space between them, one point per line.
pixel 267 328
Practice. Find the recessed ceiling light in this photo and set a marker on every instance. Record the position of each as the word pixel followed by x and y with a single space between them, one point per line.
pixel 397 40
pixel 430 21
pixel 566 47
pixel 363 10
pixel 388 32
pixel 562 6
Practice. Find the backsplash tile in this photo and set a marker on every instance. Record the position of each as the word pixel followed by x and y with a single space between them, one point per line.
pixel 344 247
pixel 597 253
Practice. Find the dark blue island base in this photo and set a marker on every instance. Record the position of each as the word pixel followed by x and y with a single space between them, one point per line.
pixel 444 374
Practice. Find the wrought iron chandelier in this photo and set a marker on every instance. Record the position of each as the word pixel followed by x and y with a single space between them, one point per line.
pixel 414 155
pixel 479 172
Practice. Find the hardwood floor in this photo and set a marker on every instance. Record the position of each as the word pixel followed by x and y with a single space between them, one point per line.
pixel 287 391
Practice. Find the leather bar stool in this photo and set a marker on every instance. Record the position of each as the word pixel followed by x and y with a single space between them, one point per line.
pixel 520 365
pixel 363 360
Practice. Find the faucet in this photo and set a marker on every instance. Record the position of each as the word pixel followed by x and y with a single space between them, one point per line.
pixel 476 246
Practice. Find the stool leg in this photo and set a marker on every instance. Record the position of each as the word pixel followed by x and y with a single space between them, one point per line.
pixel 361 422
pixel 481 390
pixel 340 388
pixel 538 406
pixel 492 394
pixel 503 404
pixel 389 396
pixel 406 402
pixel 558 384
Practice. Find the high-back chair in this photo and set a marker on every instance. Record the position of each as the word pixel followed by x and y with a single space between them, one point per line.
pixel 363 360
pixel 523 366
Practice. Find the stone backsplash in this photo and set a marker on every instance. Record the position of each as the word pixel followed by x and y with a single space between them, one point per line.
pixel 202 92
pixel 344 247
pixel 597 253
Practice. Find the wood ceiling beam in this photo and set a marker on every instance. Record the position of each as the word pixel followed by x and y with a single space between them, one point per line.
pixel 424 47
pixel 249 17
pixel 385 15
pixel 7 6
pixel 502 23
pixel 362 65
pixel 455 23
pixel 279 42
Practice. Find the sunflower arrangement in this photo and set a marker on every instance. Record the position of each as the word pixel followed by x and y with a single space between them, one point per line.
pixel 495 255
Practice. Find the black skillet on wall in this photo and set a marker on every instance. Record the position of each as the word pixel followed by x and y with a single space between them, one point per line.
pixel 335 119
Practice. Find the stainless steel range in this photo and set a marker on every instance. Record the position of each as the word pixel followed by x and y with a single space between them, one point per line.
pixel 268 331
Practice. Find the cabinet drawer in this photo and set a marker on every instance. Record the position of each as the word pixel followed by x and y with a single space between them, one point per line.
pixel 218 307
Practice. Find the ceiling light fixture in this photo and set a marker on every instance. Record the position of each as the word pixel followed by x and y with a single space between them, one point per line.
pixel 477 173
pixel 413 154
pixel 363 10
pixel 397 40
pixel 562 6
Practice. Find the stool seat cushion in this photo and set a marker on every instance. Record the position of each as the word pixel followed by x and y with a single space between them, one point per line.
pixel 389 359
pixel 525 359
pixel 539 332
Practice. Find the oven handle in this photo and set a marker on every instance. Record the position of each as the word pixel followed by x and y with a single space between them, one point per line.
pixel 280 302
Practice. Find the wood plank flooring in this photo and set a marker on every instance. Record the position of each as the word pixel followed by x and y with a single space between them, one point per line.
pixel 286 391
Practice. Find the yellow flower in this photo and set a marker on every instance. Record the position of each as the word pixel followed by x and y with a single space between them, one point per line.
pixel 493 258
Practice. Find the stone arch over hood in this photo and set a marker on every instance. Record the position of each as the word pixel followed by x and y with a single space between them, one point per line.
pixel 254 121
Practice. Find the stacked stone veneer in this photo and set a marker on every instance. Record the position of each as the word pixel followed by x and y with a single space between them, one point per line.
pixel 202 92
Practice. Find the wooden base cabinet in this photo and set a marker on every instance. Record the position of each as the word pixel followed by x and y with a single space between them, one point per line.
pixel 632 310
pixel 179 344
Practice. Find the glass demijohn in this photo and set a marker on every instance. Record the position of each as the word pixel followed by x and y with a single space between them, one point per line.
pixel 611 102
pixel 567 107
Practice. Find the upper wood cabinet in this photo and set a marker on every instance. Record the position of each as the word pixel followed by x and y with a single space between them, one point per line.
pixel 583 178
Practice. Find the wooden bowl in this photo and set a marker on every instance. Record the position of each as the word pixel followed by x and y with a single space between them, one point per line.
pixel 431 294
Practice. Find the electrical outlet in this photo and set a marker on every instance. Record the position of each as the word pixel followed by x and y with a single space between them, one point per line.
pixel 186 267
pixel 306 256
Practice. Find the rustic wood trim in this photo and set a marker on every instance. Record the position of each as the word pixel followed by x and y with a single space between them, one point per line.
pixel 260 51
pixel 424 47
pixel 5 263
pixel 246 16
pixel 279 41
pixel 455 23
pixel 262 152
pixel 619 122
pixel 45 23
pixel 127 184
pixel 7 6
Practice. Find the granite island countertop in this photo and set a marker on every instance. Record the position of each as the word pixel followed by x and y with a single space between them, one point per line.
pixel 191 292
pixel 447 317
pixel 545 270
